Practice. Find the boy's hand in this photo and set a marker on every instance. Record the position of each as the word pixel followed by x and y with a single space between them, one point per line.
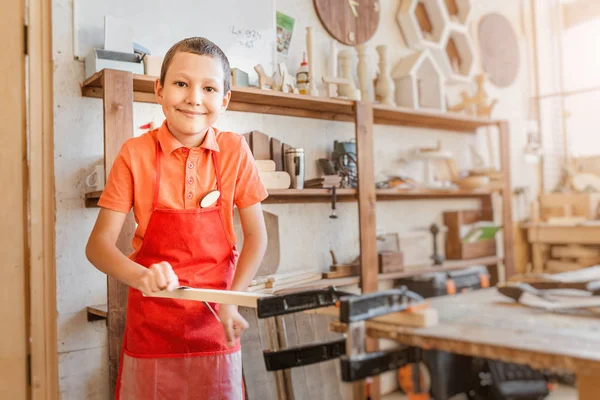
pixel 233 323
pixel 157 277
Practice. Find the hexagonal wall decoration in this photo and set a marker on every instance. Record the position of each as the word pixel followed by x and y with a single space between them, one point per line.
pixel 423 22
pixel 419 82
pixel 456 55
pixel 458 10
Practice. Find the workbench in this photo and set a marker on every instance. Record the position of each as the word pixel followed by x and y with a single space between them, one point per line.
pixel 542 235
pixel 485 324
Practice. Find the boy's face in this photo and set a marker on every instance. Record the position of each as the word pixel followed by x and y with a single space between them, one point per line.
pixel 192 97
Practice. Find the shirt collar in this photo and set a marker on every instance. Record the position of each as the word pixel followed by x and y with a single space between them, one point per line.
pixel 168 142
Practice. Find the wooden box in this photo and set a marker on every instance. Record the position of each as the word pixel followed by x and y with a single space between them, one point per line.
pixel 391 261
pixel 554 205
pixel 455 248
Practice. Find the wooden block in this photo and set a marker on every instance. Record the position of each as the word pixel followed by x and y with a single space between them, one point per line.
pixel 421 318
pixel 265 165
pixel 275 180
pixel 259 144
pixel 391 261
pixel 575 251
pixel 284 148
pixel 276 154
pixel 213 296
pixel 587 261
pixel 554 266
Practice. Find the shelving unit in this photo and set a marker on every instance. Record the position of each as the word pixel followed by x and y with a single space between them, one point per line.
pixel 119 90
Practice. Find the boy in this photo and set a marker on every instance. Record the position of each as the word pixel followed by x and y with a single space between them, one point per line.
pixel 176 349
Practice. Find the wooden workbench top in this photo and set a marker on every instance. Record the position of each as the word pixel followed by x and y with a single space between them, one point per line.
pixel 483 323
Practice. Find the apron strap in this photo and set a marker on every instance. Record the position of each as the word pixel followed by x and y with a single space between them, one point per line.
pixel 215 158
pixel 157 176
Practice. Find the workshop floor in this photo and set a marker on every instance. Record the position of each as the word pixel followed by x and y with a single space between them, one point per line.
pixel 560 393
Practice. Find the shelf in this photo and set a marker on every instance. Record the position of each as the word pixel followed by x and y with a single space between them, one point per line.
pixel 97 312
pixel 281 196
pixel 268 102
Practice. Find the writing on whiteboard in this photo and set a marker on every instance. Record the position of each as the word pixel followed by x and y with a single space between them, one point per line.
pixel 245 37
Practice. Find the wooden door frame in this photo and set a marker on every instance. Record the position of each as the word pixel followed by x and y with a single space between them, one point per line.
pixel 13 213
pixel 41 251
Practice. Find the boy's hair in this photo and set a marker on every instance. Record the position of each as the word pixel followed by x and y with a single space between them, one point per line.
pixel 202 47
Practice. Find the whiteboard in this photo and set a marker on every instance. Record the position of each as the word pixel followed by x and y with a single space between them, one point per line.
pixel 243 29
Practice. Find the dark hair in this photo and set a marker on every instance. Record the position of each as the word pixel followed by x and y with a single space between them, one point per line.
pixel 202 47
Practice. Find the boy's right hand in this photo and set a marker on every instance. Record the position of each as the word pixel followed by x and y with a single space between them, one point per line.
pixel 157 277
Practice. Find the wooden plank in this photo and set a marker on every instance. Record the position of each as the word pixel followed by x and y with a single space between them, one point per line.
pixel 276 154
pixel 244 299
pixel 366 212
pixel 588 385
pixel 258 382
pixel 118 127
pixel 330 370
pixel 306 333
pixel 299 383
pixel 507 218
pixel 575 251
pixel 579 234
pixel 42 258
pixel 420 318
pixel 259 144
pixel 13 211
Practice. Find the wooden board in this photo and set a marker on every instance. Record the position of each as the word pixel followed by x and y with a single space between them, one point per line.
pixel 270 261
pixel 244 299
pixel 276 154
pixel 118 127
pixel 259 144
pixel 499 49
pixel 484 323
pixel 348 22
pixel 258 381
pixel 574 251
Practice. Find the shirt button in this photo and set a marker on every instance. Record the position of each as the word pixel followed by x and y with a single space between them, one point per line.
pixel 185 150
pixel 189 196
pixel 190 165
pixel 190 180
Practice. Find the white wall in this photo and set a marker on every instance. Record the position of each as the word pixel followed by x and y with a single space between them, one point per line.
pixel 307 232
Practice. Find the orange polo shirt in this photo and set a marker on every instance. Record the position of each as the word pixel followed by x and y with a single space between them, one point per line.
pixel 187 174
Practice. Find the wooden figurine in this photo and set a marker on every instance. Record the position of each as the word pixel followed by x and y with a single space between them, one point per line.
pixel 363 80
pixel 280 81
pixel 349 89
pixel 332 68
pixel 312 79
pixel 384 85
pixel 477 105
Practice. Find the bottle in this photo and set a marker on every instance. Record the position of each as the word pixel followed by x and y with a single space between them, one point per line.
pixel 302 76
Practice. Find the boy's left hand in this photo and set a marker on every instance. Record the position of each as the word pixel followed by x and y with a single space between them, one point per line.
pixel 233 323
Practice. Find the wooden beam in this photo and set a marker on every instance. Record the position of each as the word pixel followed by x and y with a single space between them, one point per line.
pixel 118 127
pixel 366 213
pixel 42 258
pixel 245 299
pixel 507 219
pixel 13 211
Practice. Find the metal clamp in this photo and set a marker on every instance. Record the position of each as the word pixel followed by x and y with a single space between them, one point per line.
pixel 295 302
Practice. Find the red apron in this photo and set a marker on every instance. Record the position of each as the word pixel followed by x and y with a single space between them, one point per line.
pixel 176 349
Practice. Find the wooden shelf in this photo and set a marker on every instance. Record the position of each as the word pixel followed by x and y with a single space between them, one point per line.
pixel 268 102
pixel 282 196
pixel 97 312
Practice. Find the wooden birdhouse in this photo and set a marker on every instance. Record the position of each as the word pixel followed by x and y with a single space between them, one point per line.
pixel 419 82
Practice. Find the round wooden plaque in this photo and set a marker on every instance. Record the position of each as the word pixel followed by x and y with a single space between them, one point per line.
pixel 499 49
pixel 350 22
